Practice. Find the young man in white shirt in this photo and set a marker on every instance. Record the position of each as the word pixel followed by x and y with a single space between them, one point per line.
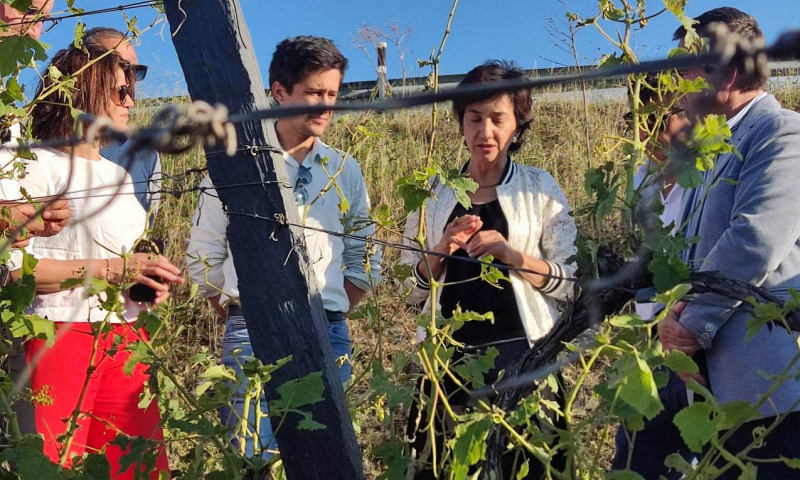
pixel 304 70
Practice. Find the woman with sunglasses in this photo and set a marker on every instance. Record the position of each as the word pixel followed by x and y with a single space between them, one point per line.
pixel 520 217
pixel 83 370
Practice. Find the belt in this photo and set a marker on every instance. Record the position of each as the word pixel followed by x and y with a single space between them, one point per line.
pixel 333 317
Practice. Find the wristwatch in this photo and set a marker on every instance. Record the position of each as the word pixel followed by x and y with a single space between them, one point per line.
pixel 5 275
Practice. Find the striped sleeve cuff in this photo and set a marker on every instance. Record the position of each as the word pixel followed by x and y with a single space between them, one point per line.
pixel 421 281
pixel 555 280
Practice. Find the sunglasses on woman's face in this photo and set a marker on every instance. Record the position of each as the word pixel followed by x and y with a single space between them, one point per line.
pixel 140 71
pixel 121 93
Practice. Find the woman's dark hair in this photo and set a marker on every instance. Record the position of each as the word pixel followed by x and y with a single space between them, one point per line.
pixel 298 57
pixel 91 92
pixel 496 71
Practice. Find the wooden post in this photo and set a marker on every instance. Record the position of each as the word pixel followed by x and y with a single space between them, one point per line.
pixel 382 78
pixel 281 301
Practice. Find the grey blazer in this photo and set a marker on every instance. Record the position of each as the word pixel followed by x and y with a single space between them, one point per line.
pixel 749 228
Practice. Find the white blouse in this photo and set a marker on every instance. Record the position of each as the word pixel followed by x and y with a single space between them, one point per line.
pixel 106 218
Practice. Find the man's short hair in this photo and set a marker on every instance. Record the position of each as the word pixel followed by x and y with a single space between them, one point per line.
pixel 298 57
pixel 737 22
pixel 96 35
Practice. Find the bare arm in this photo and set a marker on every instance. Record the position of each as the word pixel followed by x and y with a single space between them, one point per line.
pixel 50 273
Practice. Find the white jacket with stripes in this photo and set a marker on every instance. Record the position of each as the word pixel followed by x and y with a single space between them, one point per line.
pixel 539 225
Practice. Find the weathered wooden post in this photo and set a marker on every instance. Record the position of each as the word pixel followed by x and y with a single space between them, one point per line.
pixel 281 302
pixel 382 78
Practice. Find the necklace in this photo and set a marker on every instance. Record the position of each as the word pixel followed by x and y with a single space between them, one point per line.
pixel 488 186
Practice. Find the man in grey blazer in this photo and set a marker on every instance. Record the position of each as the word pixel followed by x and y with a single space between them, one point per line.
pixel 749 229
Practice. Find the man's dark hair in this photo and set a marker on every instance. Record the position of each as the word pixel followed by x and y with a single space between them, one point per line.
pixel 737 22
pixel 496 71
pixel 298 57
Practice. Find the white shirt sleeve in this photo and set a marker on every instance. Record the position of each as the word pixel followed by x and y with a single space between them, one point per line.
pixel 208 243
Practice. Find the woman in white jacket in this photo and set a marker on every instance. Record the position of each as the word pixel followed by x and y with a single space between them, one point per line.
pixel 518 214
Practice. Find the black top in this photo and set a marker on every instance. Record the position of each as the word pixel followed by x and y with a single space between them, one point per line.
pixel 477 295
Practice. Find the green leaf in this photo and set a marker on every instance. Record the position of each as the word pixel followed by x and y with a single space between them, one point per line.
pixel 391 453
pixel 696 425
pixel 298 393
pixel 26 455
pixel 676 462
pixel 135 449
pixel 475 367
pixel 627 321
pixel 218 372
pixel 679 362
pixel 492 275
pixel 395 393
pixel 674 295
pixel 72 8
pixel 523 471
pixel 16 51
pixel 469 445
pixel 609 60
pixel 736 412
pixel 80 32
pixel 94 467
pixel 637 386
pixel 308 423
pixel 461 186
pixel 750 472
pixel 20 5
pixel 412 193
pixel 791 462
pixel 668 271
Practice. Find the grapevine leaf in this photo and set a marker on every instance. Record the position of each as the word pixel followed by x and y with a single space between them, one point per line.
pixel 298 393
pixel 390 453
pixel 736 412
pixel 637 386
pixel 679 362
pixel 18 50
pixel 668 271
pixel 696 425
pixel 29 460
pixel 469 444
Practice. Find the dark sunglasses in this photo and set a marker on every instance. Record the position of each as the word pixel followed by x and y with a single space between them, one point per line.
pixel 651 119
pixel 122 92
pixel 303 179
pixel 140 71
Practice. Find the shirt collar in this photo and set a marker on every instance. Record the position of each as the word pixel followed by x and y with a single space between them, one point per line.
pixel 736 119
pixel 310 156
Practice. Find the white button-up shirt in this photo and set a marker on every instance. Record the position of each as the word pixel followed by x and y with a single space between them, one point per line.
pixel 333 258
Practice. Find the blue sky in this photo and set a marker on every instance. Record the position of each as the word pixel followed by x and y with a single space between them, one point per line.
pixel 510 29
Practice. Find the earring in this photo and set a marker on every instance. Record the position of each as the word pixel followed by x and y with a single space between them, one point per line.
pixel 514 140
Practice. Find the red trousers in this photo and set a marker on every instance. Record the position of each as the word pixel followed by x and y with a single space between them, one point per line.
pixel 110 403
